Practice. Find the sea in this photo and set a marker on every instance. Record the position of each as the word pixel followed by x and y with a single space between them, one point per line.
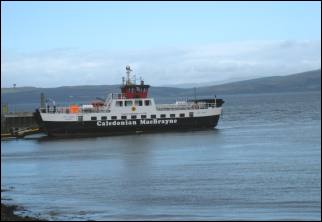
pixel 261 162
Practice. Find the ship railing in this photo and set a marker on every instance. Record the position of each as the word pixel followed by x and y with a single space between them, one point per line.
pixel 117 96
pixel 67 110
pixel 187 106
pixel 113 96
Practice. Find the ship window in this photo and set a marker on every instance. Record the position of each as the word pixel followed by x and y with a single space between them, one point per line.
pixel 143 116
pixel 128 103
pixel 190 114
pixel 147 102
pixel 119 103
pixel 123 117
pixel 182 115
pixel 133 117
pixel 162 116
pixel 138 102
pixel 113 117
pixel 104 118
pixel 172 115
pixel 153 116
pixel 80 118
pixel 93 118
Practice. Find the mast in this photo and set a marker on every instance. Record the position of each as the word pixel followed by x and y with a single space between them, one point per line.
pixel 128 73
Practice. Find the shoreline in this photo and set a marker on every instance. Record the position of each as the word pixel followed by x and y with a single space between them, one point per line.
pixel 8 214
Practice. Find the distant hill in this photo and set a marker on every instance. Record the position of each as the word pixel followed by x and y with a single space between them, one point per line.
pixel 212 83
pixel 300 82
pixel 18 89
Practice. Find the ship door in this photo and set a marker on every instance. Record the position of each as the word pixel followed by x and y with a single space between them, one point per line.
pixel 80 118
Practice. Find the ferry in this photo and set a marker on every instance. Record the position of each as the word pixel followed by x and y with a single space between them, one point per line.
pixel 130 111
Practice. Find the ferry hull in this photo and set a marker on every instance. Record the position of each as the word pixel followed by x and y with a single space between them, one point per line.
pixel 111 127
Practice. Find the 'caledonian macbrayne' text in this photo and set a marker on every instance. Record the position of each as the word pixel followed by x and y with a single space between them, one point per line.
pixel 134 122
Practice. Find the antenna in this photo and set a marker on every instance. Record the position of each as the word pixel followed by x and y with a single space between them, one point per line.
pixel 128 72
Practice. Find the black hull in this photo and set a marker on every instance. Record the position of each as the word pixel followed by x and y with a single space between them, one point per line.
pixel 87 128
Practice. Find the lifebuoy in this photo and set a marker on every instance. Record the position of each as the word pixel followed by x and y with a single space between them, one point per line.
pixel 133 108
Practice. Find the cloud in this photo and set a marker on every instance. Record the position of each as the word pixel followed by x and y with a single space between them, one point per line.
pixel 212 62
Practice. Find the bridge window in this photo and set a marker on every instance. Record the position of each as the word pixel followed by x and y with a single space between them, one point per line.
pixel 182 115
pixel 147 102
pixel 113 117
pixel 123 117
pixel 104 118
pixel 133 117
pixel 172 115
pixel 162 116
pixel 153 116
pixel 143 116
pixel 119 103
pixel 93 118
pixel 128 103
pixel 138 102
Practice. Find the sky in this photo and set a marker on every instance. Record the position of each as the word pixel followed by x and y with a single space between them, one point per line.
pixel 52 44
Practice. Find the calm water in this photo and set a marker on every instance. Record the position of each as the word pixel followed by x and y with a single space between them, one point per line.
pixel 261 163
